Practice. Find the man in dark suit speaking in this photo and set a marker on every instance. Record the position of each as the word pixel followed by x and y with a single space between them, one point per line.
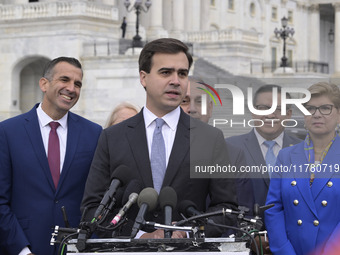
pixel 163 67
pixel 45 156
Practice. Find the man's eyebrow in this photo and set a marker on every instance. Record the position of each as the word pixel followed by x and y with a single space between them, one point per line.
pixel 172 69
pixel 166 69
pixel 64 77
pixel 183 70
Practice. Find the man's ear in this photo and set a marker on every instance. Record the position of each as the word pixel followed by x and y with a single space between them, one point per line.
pixel 289 113
pixel 142 78
pixel 210 108
pixel 43 83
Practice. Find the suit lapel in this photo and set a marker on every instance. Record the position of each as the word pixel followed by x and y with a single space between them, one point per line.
pixel 136 136
pixel 253 147
pixel 73 132
pixel 179 150
pixel 332 158
pixel 33 131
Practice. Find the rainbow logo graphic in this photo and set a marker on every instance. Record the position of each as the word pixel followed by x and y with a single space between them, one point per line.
pixel 209 93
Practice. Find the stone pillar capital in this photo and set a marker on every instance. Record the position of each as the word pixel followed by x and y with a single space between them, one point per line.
pixel 314 8
pixel 336 6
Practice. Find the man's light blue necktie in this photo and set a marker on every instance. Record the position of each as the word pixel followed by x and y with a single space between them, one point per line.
pixel 158 160
pixel 270 156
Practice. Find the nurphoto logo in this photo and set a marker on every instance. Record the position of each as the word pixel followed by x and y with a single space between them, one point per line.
pixel 239 103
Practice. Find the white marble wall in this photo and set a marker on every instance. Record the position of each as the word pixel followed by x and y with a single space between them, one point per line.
pixel 107 82
pixel 89 30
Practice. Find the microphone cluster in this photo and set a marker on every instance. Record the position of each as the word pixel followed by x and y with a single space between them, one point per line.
pixel 147 200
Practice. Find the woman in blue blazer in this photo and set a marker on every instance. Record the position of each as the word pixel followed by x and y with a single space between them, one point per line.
pixel 305 190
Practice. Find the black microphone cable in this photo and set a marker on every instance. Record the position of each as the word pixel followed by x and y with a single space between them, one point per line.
pixel 63 243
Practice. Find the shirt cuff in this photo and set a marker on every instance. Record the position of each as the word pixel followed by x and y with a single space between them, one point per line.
pixel 139 234
pixel 25 251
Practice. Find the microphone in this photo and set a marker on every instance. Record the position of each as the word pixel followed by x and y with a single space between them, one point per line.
pixel 147 201
pixel 265 207
pixel 129 198
pixel 188 208
pixel 120 176
pixel 132 199
pixel 256 210
pixel 168 201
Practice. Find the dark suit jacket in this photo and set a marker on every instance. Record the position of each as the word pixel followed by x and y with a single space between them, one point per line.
pixel 244 186
pixel 30 206
pixel 195 143
pixel 250 146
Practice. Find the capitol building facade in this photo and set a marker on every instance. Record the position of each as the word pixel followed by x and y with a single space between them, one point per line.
pixel 232 41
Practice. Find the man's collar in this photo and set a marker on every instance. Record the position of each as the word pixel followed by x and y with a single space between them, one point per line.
pixel 45 119
pixel 171 118
pixel 261 139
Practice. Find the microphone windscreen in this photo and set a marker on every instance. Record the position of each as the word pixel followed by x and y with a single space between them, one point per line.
pixel 184 205
pixel 134 186
pixel 148 196
pixel 168 197
pixel 119 195
pixel 123 174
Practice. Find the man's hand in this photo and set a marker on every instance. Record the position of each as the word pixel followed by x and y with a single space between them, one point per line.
pixel 265 245
pixel 159 233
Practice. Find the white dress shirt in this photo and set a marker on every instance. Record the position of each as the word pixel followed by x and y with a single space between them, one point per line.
pixel 45 129
pixel 168 130
pixel 276 148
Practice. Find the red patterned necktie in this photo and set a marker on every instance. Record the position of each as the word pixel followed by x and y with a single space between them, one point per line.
pixel 54 153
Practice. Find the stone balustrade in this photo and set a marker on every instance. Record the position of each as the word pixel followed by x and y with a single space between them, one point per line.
pixel 54 9
pixel 223 36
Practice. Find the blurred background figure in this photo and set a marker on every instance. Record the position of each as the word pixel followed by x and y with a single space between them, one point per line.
pixel 123 27
pixel 192 105
pixel 255 147
pixel 122 112
pixel 307 202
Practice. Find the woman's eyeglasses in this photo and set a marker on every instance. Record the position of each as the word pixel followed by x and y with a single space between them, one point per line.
pixel 325 109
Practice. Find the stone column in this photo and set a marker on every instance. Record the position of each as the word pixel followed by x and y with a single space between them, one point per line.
pixel 192 16
pixel 337 40
pixel 204 16
pixel 178 18
pixel 167 15
pixel 314 33
pixel 155 29
pixel 195 15
pixel 178 15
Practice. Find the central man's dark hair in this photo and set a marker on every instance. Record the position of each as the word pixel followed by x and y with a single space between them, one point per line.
pixel 163 45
